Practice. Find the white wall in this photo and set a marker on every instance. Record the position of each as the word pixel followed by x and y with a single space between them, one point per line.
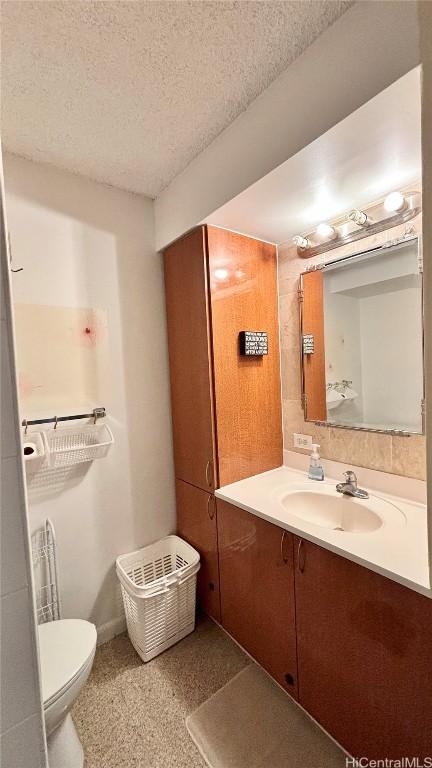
pixel 21 728
pixel 370 304
pixel 392 358
pixel 367 49
pixel 342 344
pixel 83 244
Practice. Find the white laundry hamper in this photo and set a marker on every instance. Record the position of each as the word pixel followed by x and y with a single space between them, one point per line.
pixel 158 585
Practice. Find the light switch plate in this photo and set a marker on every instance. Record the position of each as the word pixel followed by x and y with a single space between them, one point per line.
pixel 302 441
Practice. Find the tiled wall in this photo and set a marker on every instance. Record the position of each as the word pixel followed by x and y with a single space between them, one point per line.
pixel 398 455
pixel 22 739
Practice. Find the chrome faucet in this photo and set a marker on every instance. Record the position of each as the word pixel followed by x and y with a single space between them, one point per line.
pixel 349 487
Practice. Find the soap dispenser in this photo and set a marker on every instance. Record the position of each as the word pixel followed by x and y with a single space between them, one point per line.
pixel 316 471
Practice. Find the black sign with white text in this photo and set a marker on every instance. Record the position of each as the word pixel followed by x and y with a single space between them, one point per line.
pixel 253 343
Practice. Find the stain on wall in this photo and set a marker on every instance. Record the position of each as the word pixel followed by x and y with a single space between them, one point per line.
pixel 62 358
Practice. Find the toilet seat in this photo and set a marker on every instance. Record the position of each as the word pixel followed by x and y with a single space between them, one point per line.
pixel 66 648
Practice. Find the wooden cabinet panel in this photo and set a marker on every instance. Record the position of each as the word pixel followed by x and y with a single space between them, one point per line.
pixel 243 287
pixel 314 364
pixel 364 655
pixel 257 590
pixel 197 524
pixel 190 360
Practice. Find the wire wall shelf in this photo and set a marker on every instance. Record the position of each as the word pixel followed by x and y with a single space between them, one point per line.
pixel 47 604
pixel 44 555
pixel 76 445
pixel 59 447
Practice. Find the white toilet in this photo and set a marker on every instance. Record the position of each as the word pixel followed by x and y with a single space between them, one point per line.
pixel 67 648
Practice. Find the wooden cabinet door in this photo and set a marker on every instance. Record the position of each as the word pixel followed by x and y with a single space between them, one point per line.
pixel 243 289
pixel 197 524
pixel 190 360
pixel 257 590
pixel 364 656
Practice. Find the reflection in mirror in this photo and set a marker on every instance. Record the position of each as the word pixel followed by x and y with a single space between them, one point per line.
pixel 362 334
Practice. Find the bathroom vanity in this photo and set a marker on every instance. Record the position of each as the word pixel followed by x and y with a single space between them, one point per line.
pixel 352 646
pixel 330 595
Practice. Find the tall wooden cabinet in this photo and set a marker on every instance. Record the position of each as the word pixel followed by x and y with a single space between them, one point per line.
pixel 190 358
pixel 244 297
pixel 226 408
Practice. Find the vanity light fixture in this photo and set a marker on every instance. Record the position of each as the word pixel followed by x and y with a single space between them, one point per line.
pixel 326 232
pixel 359 217
pixel 301 242
pixel 355 224
pixel 394 202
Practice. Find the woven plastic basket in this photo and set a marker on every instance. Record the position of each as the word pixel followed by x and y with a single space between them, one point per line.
pixel 75 445
pixel 158 585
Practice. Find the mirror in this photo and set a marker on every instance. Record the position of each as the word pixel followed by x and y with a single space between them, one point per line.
pixel 362 340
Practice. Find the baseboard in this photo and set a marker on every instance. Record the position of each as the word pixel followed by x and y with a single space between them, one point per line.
pixel 111 629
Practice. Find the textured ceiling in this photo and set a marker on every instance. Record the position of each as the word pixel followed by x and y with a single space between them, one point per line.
pixel 128 93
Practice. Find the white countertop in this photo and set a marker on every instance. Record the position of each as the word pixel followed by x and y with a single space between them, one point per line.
pixel 397 550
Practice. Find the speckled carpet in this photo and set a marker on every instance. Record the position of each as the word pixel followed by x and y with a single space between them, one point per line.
pixel 132 715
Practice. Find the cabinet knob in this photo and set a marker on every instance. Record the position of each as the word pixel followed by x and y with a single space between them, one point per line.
pixel 289 679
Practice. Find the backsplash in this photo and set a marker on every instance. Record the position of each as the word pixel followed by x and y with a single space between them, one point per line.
pixel 398 455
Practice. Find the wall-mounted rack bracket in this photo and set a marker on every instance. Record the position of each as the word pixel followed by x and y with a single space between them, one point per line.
pixel 97 413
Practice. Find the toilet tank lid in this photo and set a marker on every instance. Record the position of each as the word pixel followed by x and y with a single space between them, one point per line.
pixel 65 647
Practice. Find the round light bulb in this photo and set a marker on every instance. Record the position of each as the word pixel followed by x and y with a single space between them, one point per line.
pixel 395 201
pixel 326 231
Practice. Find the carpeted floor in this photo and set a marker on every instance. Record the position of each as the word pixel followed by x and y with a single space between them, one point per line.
pixel 132 715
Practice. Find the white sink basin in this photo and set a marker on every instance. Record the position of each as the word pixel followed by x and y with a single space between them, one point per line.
pixel 326 508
